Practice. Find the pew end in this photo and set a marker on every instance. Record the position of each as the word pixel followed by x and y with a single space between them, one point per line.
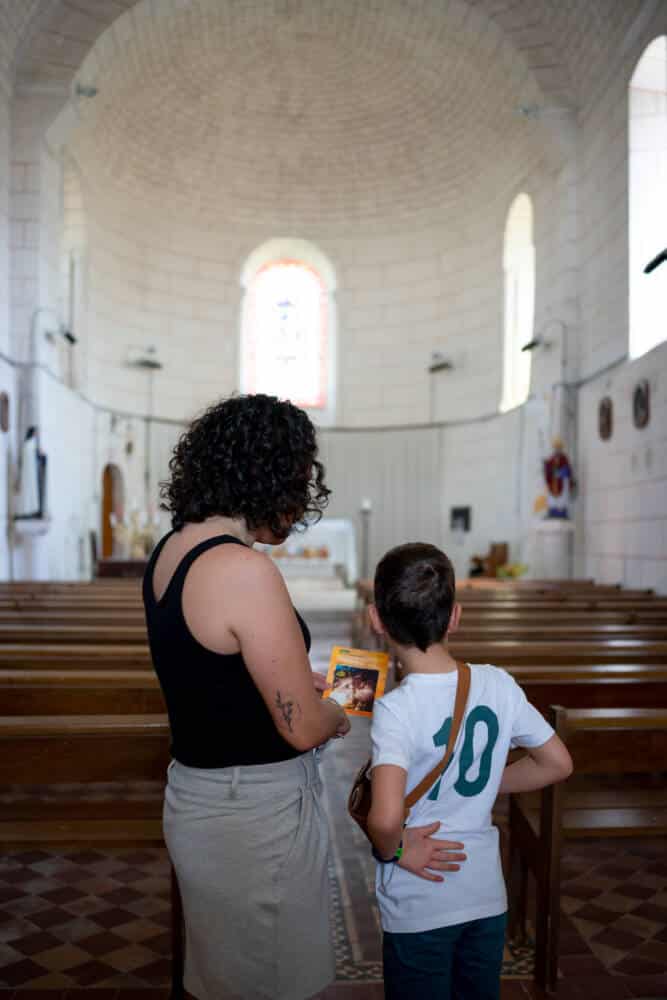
pixel 605 741
pixel 67 778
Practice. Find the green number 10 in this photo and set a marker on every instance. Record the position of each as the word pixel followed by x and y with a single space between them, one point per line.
pixel 484 716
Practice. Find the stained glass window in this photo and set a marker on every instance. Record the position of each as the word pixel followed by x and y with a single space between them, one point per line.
pixel 285 335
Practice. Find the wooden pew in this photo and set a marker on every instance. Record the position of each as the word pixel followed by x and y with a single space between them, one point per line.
pixel 472 617
pixel 509 592
pixel 599 686
pixel 70 634
pixel 511 653
pixel 61 656
pixel 80 692
pixel 602 742
pixel 38 751
pixel 118 692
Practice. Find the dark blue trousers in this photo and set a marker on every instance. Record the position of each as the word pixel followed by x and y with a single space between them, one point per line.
pixel 461 962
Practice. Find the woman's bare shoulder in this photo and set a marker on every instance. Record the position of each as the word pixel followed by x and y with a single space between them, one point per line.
pixel 240 566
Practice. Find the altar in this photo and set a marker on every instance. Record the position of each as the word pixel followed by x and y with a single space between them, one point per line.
pixel 324 553
pixel 319 564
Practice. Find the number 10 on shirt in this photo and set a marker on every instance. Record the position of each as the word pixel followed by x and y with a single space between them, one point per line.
pixel 481 715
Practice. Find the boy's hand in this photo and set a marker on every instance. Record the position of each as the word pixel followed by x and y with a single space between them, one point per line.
pixel 424 856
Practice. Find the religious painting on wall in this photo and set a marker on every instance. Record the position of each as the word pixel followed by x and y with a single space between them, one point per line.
pixel 641 404
pixel 605 418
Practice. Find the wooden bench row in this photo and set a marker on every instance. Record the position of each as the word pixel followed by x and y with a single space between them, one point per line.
pixel 50 614
pixel 612 743
pixel 117 634
pixel 136 692
pixel 73 756
pixel 58 656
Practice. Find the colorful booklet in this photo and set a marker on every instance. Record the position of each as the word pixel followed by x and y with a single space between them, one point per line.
pixel 356 677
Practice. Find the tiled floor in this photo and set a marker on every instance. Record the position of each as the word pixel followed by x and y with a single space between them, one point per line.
pixel 84 919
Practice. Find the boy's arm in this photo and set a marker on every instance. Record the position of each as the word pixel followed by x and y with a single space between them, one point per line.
pixel 386 816
pixel 547 760
pixel 543 765
pixel 423 855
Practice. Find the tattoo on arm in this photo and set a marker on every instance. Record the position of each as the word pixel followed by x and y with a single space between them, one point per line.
pixel 289 709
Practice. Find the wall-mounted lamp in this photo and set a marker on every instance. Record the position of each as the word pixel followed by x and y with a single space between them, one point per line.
pixel 540 341
pixel 537 111
pixel 63 332
pixel 143 357
pixel 536 342
pixel 439 363
pixel 656 262
pixel 83 90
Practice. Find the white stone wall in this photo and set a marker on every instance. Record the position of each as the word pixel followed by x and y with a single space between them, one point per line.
pixel 623 529
pixel 417 254
pixel 622 515
pixel 6 372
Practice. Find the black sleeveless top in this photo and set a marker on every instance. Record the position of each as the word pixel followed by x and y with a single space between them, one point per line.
pixel 218 717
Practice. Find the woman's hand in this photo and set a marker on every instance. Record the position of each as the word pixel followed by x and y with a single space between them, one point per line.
pixel 320 682
pixel 344 724
pixel 424 856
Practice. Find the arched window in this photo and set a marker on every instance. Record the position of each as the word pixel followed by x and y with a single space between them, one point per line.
pixel 287 326
pixel 519 268
pixel 647 185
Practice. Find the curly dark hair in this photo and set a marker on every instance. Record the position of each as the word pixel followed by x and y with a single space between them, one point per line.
pixel 249 456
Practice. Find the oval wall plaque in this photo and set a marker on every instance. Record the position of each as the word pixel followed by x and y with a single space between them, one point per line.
pixel 4 412
pixel 641 404
pixel 605 418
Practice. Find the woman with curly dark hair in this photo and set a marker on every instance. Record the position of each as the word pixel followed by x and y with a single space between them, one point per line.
pixel 243 817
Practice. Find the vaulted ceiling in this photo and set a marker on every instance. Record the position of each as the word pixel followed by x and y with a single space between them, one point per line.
pixel 309 109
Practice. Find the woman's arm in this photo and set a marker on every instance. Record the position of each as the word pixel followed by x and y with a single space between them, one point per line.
pixel 242 601
pixel 542 766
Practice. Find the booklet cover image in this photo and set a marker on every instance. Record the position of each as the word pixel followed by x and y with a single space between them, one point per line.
pixel 356 677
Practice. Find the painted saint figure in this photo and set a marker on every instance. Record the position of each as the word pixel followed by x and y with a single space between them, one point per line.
pixel 30 499
pixel 559 481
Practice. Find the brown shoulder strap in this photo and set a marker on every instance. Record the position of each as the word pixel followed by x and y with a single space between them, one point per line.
pixel 462 692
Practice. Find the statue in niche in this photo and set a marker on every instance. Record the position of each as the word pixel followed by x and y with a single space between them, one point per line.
pixel 30 502
pixel 559 480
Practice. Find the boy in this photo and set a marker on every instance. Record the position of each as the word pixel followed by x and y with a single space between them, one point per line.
pixel 444 940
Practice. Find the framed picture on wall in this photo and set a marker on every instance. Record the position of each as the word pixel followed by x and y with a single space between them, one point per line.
pixel 459 519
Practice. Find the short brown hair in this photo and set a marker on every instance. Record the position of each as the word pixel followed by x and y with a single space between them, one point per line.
pixel 415 590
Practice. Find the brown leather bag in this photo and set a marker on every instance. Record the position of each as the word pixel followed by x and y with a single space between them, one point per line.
pixel 359 801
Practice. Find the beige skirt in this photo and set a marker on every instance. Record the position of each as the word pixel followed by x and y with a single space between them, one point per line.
pixel 249 846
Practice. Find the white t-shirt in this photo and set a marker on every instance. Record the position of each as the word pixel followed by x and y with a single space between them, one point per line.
pixel 410 729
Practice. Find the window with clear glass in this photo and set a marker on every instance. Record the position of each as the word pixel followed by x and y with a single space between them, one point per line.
pixel 519 270
pixel 647 185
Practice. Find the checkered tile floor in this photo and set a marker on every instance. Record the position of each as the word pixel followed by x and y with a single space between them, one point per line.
pixel 84 919
pixel 97 920
pixel 615 899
